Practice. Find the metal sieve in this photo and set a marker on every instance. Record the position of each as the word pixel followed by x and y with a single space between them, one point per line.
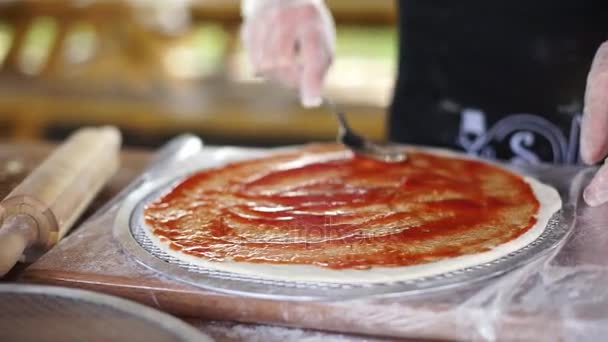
pixel 47 313
pixel 129 230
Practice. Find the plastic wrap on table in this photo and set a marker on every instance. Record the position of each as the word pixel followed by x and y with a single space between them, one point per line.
pixel 561 296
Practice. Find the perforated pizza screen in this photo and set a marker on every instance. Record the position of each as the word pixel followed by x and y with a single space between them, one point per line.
pixel 321 205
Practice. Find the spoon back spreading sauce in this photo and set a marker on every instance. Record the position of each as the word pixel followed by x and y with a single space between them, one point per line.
pixel 321 205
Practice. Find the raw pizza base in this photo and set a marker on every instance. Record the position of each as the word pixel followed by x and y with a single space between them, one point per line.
pixel 548 198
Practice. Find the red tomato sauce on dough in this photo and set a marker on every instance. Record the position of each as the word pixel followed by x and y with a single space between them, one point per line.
pixel 323 206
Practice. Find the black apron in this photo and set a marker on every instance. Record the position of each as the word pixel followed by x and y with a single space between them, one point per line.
pixel 498 79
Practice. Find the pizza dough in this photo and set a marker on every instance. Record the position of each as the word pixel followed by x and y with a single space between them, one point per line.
pixel 319 214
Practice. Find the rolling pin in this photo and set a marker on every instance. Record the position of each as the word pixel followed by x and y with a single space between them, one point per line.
pixel 42 209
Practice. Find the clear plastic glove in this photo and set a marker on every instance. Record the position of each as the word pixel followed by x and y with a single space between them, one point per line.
pixel 292 42
pixel 594 132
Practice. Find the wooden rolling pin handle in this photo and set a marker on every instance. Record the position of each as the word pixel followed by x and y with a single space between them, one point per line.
pixel 45 220
pixel 17 233
pixel 41 210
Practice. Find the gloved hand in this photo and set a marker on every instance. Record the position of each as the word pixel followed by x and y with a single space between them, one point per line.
pixel 290 41
pixel 594 131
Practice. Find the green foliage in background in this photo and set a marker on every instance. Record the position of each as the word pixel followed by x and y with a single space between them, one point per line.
pixel 367 42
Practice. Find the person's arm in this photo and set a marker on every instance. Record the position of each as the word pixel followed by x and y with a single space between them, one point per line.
pixel 594 132
pixel 290 41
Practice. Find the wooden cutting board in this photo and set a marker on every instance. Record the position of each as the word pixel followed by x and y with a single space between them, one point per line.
pixel 90 258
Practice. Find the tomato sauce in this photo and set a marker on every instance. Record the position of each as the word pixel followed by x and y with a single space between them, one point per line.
pixel 321 205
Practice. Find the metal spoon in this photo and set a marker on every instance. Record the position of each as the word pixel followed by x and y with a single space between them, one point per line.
pixel 390 153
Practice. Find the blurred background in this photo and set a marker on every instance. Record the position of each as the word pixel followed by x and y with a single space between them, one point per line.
pixel 157 68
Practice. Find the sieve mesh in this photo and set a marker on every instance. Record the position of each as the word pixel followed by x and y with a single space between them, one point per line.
pixel 130 231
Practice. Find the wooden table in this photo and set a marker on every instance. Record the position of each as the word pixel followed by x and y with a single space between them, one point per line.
pixel 17 160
